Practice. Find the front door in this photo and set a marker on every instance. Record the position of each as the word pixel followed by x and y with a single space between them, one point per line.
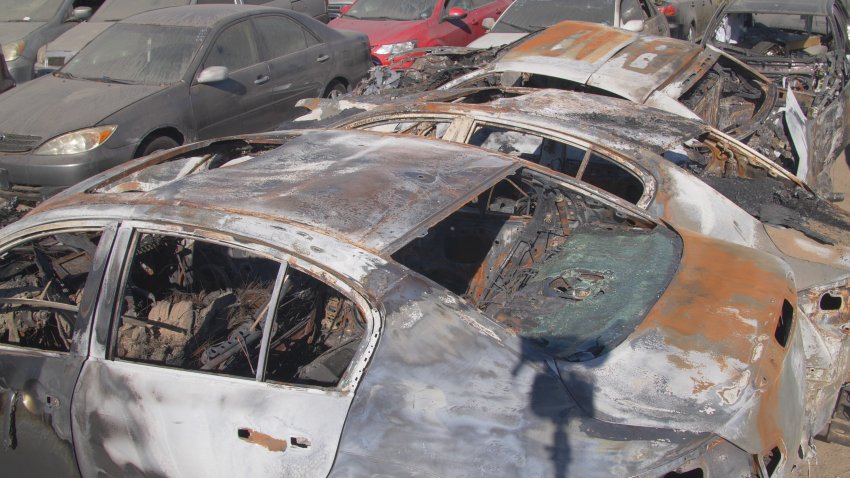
pixel 230 106
pixel 217 359
pixel 48 285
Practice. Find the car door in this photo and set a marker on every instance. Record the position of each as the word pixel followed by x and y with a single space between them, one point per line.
pixel 462 31
pixel 656 24
pixel 207 360
pixel 49 282
pixel 300 64
pixel 231 106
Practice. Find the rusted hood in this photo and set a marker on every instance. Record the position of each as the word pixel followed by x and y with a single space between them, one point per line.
pixel 624 63
pixel 707 357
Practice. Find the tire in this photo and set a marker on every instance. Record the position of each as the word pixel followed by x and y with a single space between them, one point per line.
pixel 335 90
pixel 157 143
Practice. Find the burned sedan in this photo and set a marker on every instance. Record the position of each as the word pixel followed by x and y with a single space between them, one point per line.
pixel 165 77
pixel 680 170
pixel 803 47
pixel 355 303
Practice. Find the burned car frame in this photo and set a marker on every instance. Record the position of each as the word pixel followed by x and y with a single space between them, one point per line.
pixel 544 342
pixel 803 47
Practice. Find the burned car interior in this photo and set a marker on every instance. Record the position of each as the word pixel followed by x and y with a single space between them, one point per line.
pixel 41 288
pixel 521 253
pixel 202 306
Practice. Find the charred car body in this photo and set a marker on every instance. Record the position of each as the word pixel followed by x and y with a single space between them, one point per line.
pixel 668 74
pixel 477 307
pixel 803 47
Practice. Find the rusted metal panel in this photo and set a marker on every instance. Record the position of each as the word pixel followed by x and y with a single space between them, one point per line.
pixel 573 50
pixel 644 66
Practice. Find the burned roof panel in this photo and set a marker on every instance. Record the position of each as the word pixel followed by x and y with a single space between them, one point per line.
pixel 365 188
pixel 574 50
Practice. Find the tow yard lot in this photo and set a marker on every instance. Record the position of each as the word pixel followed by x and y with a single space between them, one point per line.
pixel 591 252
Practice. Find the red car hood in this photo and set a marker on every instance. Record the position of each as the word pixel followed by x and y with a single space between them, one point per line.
pixel 383 32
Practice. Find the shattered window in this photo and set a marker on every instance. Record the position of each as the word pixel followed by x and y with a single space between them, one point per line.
pixel 41 288
pixel 201 306
pixel 430 129
pixel 315 334
pixel 194 305
pixel 562 157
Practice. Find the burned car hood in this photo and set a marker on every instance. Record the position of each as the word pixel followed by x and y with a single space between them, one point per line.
pixel 78 37
pixel 86 103
pixel 14 31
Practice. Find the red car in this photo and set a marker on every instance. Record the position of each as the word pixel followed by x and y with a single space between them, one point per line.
pixel 395 27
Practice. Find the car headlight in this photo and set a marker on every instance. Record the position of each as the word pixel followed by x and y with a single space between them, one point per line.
pixel 13 50
pixel 396 48
pixel 78 141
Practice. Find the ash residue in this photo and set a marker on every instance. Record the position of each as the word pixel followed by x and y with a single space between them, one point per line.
pixel 11 210
pixel 775 202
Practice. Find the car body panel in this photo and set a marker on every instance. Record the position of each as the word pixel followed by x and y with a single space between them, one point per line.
pixel 6 80
pixel 428 32
pixel 692 17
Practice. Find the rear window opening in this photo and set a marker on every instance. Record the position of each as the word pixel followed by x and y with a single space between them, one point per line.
pixel 221 154
pixel 571 275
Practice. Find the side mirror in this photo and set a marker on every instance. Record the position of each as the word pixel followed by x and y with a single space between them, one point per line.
pixel 455 14
pixel 213 74
pixel 488 23
pixel 80 13
pixel 634 26
pixel 344 9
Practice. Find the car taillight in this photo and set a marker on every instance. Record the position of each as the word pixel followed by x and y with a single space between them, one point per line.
pixel 668 10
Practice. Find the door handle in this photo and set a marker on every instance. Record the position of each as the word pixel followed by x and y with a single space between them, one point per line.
pixel 261 80
pixel 323 58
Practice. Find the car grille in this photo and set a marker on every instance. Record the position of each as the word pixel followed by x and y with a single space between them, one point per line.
pixel 18 143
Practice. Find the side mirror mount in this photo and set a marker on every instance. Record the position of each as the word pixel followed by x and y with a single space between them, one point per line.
pixel 213 74
pixel 80 13
pixel 634 26
pixel 488 23
pixel 344 9
pixel 455 13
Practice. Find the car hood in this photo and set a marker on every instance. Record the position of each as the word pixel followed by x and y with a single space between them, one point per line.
pixel 709 356
pixel 627 64
pixel 78 37
pixel 37 104
pixel 381 32
pixel 490 40
pixel 14 31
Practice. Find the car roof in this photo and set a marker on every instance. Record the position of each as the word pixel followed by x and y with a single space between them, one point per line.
pixel 197 15
pixel 625 63
pixel 795 7
pixel 373 190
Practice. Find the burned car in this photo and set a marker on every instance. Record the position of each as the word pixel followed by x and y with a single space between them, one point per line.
pixel 803 47
pixel 672 75
pixel 340 298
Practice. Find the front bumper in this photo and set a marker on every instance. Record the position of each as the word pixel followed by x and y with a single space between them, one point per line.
pixel 28 174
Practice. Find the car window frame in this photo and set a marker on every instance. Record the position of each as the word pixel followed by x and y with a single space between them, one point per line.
pixel 86 312
pixel 214 40
pixel 119 266
pixel 265 56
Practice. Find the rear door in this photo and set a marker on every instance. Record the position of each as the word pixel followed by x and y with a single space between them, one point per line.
pixel 232 106
pixel 300 64
pixel 49 282
pixel 217 357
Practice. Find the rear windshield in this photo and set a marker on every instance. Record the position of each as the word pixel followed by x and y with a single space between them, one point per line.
pixel 527 16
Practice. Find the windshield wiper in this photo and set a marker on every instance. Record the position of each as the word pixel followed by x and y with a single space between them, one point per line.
pixel 106 79
pixel 384 18
pixel 520 27
pixel 62 74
